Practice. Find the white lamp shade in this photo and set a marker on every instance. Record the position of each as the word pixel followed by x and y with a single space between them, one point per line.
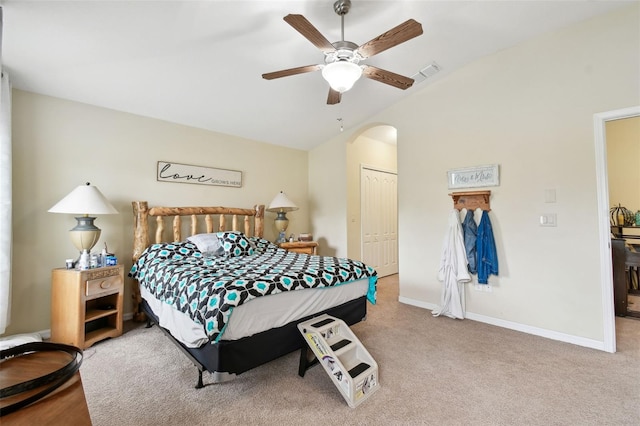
pixel 85 199
pixel 281 203
pixel 341 75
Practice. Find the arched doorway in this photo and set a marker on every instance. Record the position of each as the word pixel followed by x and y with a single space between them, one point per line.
pixel 372 198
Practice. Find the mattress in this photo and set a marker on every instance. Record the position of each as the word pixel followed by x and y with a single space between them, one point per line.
pixel 259 314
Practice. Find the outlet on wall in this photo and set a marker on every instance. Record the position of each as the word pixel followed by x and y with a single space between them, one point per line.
pixel 549 219
pixel 484 287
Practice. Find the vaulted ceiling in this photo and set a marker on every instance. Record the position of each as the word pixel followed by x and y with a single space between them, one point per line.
pixel 199 63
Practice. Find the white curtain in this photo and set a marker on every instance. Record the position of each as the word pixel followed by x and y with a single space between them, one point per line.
pixel 5 195
pixel 5 202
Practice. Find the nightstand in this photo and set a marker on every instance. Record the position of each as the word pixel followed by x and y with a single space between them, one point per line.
pixel 306 247
pixel 86 306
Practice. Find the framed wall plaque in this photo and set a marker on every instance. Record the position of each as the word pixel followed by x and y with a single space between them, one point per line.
pixel 472 177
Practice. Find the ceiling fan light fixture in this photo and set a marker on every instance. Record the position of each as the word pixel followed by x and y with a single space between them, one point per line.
pixel 341 58
pixel 341 75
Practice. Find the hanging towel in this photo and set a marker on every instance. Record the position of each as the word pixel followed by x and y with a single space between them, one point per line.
pixel 452 271
pixel 486 250
pixel 470 231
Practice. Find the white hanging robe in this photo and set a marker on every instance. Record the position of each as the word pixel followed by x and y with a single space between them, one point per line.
pixel 453 271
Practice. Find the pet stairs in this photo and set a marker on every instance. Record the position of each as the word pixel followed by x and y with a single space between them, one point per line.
pixel 344 358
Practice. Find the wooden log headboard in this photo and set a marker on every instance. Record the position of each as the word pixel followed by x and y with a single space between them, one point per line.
pixel 252 222
pixel 252 225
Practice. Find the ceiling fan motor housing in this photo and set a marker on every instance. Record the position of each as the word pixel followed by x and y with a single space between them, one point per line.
pixel 345 51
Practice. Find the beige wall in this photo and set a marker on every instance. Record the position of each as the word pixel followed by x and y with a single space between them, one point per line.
pixel 363 151
pixel 529 109
pixel 59 144
pixel 328 195
pixel 623 162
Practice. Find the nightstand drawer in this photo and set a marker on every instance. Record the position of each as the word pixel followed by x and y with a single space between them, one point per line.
pixel 303 250
pixel 305 247
pixel 103 285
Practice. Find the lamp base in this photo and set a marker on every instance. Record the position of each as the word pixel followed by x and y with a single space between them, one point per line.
pixel 85 234
pixel 281 225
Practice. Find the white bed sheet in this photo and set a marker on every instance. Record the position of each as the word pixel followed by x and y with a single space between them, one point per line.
pixel 259 314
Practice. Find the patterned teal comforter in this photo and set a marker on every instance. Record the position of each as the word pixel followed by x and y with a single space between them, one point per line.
pixel 208 288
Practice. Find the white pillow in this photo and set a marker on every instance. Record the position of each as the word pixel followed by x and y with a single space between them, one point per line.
pixel 208 244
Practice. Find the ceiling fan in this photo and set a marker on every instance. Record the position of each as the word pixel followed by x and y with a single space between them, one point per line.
pixel 341 66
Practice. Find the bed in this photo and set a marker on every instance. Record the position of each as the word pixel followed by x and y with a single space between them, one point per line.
pixel 229 299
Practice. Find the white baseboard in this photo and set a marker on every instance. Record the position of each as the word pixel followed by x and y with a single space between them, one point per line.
pixel 44 334
pixel 536 331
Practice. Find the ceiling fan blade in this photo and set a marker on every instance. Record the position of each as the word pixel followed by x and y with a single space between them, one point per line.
pixel 334 97
pixel 290 71
pixel 403 32
pixel 308 31
pixel 387 77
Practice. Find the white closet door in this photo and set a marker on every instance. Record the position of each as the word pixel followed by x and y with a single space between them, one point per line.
pixel 379 218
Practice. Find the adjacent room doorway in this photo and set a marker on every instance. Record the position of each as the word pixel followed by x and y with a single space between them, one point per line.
pixel 606 278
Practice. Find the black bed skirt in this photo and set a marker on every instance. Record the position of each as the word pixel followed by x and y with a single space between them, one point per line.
pixel 238 356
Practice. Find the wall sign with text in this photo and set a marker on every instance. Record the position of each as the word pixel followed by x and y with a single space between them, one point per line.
pixel 471 177
pixel 185 173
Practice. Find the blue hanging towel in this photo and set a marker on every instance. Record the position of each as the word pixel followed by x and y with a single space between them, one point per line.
pixel 486 250
pixel 470 232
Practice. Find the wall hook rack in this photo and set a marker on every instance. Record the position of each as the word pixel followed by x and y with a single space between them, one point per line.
pixel 471 200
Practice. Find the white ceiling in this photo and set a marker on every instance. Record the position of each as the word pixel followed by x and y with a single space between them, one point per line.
pixel 199 63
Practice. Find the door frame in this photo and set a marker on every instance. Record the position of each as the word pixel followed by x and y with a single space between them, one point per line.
pixel 606 270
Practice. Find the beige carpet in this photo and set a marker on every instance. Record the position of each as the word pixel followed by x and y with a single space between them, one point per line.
pixel 433 371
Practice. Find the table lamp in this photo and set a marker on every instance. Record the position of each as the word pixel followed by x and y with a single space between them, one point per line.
pixel 281 204
pixel 85 200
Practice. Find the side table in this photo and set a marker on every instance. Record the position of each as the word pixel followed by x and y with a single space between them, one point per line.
pixel 64 406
